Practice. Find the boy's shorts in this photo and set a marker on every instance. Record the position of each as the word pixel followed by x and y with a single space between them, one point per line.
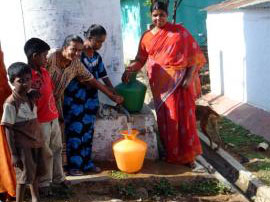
pixel 33 165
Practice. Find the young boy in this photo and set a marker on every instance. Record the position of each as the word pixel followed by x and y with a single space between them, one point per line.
pixel 36 51
pixel 23 132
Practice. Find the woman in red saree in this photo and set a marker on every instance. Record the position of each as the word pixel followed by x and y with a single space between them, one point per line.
pixel 173 59
pixel 7 173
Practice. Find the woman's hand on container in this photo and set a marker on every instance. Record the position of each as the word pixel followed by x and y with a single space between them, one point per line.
pixel 135 66
pixel 117 98
pixel 113 90
pixel 126 76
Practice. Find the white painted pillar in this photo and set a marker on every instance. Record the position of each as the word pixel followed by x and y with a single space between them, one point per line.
pixel 53 20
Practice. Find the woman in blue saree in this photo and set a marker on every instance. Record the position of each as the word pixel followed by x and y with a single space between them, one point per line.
pixel 81 105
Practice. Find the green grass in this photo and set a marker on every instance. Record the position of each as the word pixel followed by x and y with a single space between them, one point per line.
pixel 242 139
pixel 262 165
pixel 261 169
pixel 118 174
pixel 163 188
pixel 207 187
pixel 264 176
pixel 237 135
pixel 245 144
pixel 127 191
pixel 61 193
pixel 255 155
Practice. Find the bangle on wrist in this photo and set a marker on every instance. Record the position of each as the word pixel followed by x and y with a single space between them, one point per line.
pixel 129 69
pixel 132 70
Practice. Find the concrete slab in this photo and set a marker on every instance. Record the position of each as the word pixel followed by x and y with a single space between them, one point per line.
pixel 150 169
pixel 252 118
pixel 107 132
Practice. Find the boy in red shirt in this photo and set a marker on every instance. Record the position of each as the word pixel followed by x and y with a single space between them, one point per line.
pixel 36 51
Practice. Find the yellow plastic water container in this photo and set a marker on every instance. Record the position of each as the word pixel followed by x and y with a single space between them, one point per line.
pixel 129 152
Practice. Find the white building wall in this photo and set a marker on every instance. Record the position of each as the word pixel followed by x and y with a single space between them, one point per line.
pixel 257 38
pixel 226 49
pixel 239 50
pixel 12 34
pixel 53 20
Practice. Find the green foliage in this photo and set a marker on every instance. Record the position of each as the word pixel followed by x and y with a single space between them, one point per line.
pixel 262 169
pixel 127 191
pixel 260 165
pixel 264 176
pixel 148 2
pixel 61 193
pixel 207 187
pixel 163 188
pixel 118 174
pixel 245 144
pixel 254 155
pixel 237 135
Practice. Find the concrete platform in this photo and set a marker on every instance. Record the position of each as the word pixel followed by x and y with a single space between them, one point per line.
pixel 252 118
pixel 150 169
pixel 107 131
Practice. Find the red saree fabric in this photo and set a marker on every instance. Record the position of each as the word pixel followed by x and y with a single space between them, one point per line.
pixel 5 90
pixel 7 173
pixel 169 53
pixel 177 127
